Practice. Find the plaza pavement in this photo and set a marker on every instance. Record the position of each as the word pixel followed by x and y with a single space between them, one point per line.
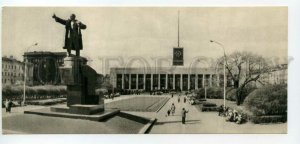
pixel 196 121
pixel 205 122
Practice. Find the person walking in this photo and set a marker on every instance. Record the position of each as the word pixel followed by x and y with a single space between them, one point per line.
pixel 173 108
pixel 183 115
pixel 178 99
pixel 9 106
pixel 6 105
pixel 168 112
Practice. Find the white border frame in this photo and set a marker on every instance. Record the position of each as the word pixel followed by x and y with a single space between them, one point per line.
pixel 293 94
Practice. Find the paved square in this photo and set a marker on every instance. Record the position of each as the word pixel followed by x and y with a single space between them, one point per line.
pixel 139 103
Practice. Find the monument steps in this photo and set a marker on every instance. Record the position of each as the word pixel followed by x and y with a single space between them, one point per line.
pixel 104 116
pixel 108 113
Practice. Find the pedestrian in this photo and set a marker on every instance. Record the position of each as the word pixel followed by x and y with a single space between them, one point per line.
pixel 178 99
pixel 183 115
pixel 173 108
pixel 221 110
pixel 172 95
pixel 239 119
pixel 184 99
pixel 9 106
pixel 6 105
pixel 230 116
pixel 168 112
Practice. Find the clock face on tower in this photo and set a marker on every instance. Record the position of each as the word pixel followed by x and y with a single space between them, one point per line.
pixel 178 53
pixel 178 56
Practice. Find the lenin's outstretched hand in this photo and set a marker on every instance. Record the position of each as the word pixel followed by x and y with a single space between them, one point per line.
pixel 54 16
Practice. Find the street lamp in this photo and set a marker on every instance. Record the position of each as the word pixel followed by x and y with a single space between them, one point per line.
pixel 212 41
pixel 25 67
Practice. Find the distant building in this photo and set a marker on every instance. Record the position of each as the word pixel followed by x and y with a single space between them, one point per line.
pixel 166 78
pixel 45 66
pixel 12 71
pixel 277 75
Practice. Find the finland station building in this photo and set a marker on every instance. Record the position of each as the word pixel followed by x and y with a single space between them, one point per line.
pixel 173 78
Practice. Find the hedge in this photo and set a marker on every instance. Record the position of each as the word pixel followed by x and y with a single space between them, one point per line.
pixel 231 93
pixel 35 91
pixel 47 102
pixel 211 92
pixel 267 102
pixel 269 119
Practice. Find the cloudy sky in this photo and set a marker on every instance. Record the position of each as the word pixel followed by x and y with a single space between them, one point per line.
pixel 122 34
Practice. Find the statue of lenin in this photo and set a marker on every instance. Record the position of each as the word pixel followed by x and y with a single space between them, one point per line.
pixel 73 39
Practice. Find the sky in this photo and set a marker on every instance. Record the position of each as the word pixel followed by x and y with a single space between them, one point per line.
pixel 115 36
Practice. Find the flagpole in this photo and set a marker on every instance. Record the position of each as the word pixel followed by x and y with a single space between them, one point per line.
pixel 178 42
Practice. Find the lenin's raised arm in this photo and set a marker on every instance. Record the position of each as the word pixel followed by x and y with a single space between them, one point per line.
pixel 59 20
pixel 64 22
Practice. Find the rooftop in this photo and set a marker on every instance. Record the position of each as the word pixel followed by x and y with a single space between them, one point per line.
pixel 43 53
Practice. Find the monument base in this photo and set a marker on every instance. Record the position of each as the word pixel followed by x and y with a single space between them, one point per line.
pixel 62 112
pixel 79 109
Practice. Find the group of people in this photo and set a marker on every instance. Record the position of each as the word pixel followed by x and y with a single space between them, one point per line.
pixel 172 111
pixel 8 105
pixel 178 99
pixel 130 92
pixel 231 115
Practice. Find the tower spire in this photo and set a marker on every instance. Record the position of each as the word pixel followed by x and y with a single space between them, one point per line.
pixel 178 42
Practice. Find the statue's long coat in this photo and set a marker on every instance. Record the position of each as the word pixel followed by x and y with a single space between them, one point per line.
pixel 73 38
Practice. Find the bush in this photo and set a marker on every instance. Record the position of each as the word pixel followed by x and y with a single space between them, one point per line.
pixel 47 102
pixel 269 119
pixel 45 90
pixel 209 109
pixel 231 94
pixel 211 92
pixel 208 104
pixel 269 100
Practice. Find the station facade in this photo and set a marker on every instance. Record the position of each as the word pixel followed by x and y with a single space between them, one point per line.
pixel 173 78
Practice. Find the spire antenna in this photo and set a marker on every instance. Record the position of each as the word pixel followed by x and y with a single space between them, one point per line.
pixel 178 28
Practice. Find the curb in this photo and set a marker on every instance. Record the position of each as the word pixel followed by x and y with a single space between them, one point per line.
pixel 147 127
pixel 100 117
pixel 162 106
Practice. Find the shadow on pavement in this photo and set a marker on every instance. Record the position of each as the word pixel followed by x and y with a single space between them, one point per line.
pixel 186 122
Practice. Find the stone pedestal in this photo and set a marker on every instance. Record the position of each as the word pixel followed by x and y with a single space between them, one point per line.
pixel 81 85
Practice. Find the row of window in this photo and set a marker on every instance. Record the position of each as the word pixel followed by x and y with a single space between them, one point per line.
pixel 11 67
pixel 4 81
pixel 10 74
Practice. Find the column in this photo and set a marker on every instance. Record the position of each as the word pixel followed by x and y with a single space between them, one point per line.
pixel 189 81
pixel 173 81
pixel 196 81
pixel 166 85
pixel 123 81
pixel 210 80
pixel 137 81
pixel 203 80
pixel 144 82
pixel 151 85
pixel 180 81
pixel 159 81
pixel 130 81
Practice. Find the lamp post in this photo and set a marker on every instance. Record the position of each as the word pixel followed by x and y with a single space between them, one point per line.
pixel 212 41
pixel 25 67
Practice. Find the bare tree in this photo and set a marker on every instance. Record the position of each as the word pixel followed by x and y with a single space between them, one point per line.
pixel 243 68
